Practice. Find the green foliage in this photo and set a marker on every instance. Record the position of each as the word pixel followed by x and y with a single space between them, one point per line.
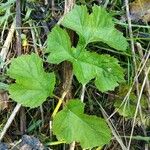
pixel 104 68
pixel 3 86
pixel 71 124
pixel 97 26
pixel 59 44
pixel 128 108
pixel 33 85
pixel 93 27
pixel 5 11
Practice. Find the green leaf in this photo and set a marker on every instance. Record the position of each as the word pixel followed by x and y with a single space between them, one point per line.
pixel 94 27
pixel 86 65
pixel 59 45
pixel 33 85
pixel 3 86
pixel 104 68
pixel 71 124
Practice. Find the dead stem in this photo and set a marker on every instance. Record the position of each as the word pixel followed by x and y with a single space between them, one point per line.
pixel 9 121
pixel 5 49
pixel 18 49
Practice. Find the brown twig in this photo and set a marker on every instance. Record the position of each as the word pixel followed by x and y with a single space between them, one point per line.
pixel 18 49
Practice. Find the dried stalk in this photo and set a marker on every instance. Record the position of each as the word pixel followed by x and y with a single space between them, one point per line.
pixel 144 71
pixel 5 49
pixel 9 121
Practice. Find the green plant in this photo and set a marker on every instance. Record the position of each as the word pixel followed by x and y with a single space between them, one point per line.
pixel 127 107
pixel 33 85
pixel 5 14
pixel 32 82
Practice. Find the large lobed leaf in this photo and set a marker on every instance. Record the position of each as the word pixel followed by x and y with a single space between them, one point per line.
pixel 104 68
pixel 71 124
pixel 32 84
pixel 93 27
pixel 86 65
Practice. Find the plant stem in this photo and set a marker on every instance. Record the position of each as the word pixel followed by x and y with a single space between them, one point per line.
pixel 18 49
pixel 18 24
pixel 5 49
pixel 147 88
pixel 137 106
pixel 9 121
pixel 59 104
pixel 83 92
pixel 112 127
pixel 68 73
